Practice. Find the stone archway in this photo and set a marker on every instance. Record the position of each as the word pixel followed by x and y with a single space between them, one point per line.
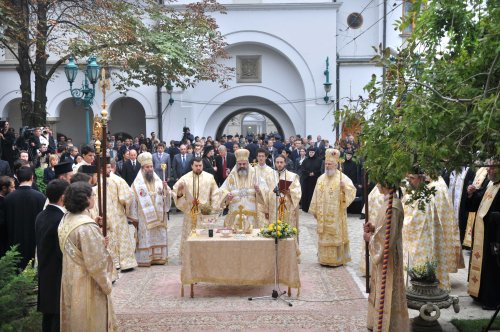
pixel 12 113
pixel 245 112
pixel 127 115
pixel 281 115
pixel 72 121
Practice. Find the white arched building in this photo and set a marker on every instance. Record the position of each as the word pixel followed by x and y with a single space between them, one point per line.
pixel 279 51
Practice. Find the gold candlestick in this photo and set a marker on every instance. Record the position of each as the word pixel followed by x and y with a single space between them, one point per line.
pixel 163 168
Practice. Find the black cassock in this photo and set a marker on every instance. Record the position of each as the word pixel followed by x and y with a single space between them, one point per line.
pixel 489 292
pixel 21 208
pixel 49 259
pixel 309 165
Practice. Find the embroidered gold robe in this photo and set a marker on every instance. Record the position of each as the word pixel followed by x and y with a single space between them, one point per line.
pixel 86 276
pixel 443 210
pixel 395 314
pixel 375 202
pixel 423 240
pixel 118 202
pixel 267 174
pixel 207 191
pixel 292 199
pixel 244 195
pixel 151 214
pixel 329 207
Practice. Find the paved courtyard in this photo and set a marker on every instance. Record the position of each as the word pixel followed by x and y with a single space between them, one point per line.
pixel 308 247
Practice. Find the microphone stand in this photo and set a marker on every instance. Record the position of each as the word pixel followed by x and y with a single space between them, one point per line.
pixel 277 292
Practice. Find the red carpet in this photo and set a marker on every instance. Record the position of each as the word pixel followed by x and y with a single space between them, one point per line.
pixel 148 299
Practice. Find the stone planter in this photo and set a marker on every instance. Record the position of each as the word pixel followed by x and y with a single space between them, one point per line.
pixel 429 300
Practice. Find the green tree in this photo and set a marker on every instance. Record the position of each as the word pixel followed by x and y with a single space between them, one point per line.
pixel 437 105
pixel 17 295
pixel 148 43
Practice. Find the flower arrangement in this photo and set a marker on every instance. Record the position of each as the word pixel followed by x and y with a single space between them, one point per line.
pixel 280 230
pixel 423 272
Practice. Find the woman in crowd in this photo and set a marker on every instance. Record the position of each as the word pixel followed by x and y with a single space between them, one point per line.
pixel 48 173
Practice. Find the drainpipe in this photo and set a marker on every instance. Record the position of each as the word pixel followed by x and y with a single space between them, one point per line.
pixel 159 110
pixel 337 97
pixel 384 33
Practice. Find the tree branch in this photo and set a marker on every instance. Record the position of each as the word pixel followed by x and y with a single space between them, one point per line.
pixel 453 100
pixel 487 85
pixel 56 65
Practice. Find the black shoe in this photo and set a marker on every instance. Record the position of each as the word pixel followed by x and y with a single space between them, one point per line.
pixel 487 307
pixel 127 270
pixel 362 216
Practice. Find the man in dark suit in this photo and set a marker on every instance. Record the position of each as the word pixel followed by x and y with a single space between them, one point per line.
pixel 297 144
pixel 161 157
pixel 5 168
pixel 182 162
pixel 50 256
pixel 131 167
pixel 223 170
pixel 278 145
pixel 252 148
pixel 21 208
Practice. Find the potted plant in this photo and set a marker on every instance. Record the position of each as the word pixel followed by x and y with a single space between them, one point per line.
pixel 425 295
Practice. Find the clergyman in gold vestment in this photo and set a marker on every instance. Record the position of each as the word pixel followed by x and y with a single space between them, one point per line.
pixel 87 266
pixel 395 311
pixel 333 193
pixel 192 190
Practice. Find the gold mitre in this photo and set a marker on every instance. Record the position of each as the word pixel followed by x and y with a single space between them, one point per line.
pixel 242 154
pixel 145 159
pixel 332 155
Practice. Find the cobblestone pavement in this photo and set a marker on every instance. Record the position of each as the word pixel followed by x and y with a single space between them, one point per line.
pixel 308 247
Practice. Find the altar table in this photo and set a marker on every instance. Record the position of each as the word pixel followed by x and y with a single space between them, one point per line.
pixel 238 260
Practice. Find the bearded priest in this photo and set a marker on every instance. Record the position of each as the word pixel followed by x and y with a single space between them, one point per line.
pixel 150 204
pixel 243 191
pixel 333 193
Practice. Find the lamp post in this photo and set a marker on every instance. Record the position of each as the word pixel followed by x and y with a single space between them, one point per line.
pixel 85 95
pixel 327 85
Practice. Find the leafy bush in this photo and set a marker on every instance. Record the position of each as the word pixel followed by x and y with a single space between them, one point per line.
pixel 18 295
pixel 39 180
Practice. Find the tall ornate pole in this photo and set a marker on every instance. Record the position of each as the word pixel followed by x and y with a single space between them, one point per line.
pixel 104 84
pixel 98 150
pixel 367 220
pixel 385 261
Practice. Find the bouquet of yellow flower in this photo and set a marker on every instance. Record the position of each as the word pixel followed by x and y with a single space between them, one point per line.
pixel 280 230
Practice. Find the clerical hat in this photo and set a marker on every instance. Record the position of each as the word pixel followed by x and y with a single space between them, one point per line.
pixel 63 168
pixel 207 149
pixel 145 159
pixel 242 154
pixel 88 169
pixel 332 155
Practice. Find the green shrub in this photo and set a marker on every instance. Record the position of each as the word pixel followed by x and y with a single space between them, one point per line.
pixel 18 295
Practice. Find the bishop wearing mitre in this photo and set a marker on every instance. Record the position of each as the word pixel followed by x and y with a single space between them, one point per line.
pixel 243 191
pixel 333 193
pixel 148 210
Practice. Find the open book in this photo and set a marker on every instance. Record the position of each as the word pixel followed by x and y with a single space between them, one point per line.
pixel 284 185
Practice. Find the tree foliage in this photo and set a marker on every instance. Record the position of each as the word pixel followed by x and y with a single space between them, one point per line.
pixel 143 41
pixel 437 105
pixel 17 295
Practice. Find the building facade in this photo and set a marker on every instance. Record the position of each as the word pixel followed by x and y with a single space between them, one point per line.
pixel 279 51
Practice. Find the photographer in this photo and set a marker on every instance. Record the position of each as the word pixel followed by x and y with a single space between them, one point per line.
pixel 187 135
pixel 47 138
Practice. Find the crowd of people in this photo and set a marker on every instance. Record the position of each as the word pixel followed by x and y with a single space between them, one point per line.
pixel 256 180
